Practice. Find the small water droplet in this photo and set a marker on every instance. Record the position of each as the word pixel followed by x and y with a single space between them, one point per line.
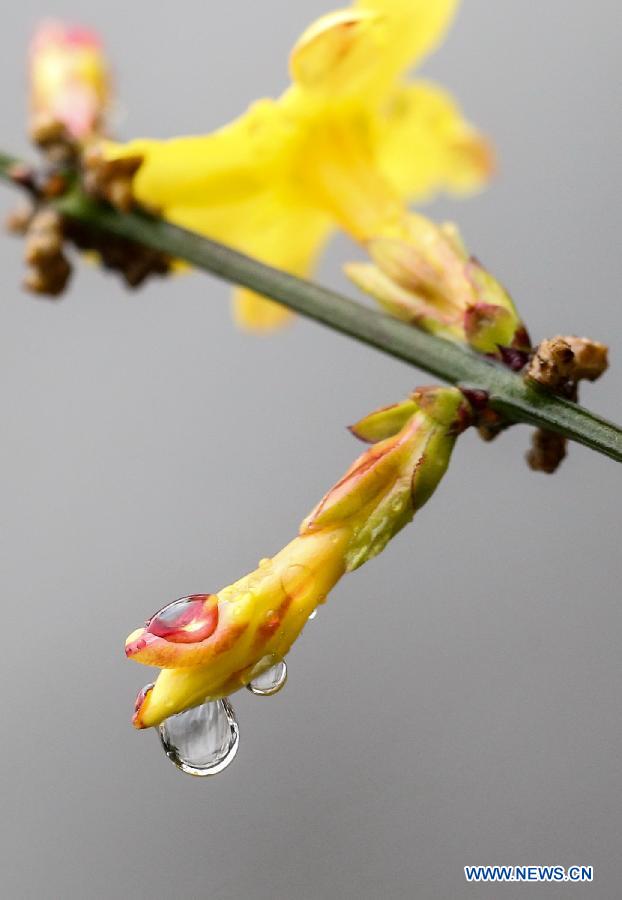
pixel 264 563
pixel 270 681
pixel 313 615
pixel 202 741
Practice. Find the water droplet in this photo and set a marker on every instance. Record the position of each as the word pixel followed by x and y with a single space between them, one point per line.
pixel 186 621
pixel 264 563
pixel 203 740
pixel 270 681
pixel 313 615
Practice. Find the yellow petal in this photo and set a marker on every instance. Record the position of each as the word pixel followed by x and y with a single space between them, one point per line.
pixel 365 47
pixel 235 186
pixel 337 53
pixel 269 227
pixel 289 239
pixel 426 145
pixel 257 313
pixel 225 166
pixel 414 27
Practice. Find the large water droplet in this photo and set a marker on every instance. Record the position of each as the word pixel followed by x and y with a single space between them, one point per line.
pixel 269 682
pixel 313 615
pixel 203 740
pixel 186 621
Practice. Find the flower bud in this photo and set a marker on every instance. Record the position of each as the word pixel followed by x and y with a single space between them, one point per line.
pixel 210 645
pixel 381 492
pixel 425 276
pixel 70 84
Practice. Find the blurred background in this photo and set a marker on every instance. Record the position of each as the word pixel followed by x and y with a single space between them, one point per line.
pixel 457 700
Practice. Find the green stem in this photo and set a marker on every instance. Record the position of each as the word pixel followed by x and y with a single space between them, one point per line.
pixel 508 393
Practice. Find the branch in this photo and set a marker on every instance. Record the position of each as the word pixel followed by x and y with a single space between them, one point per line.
pixel 508 393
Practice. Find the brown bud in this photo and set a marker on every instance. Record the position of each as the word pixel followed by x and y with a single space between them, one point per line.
pixel 547 451
pixel 52 138
pixel 590 358
pixel 45 236
pixel 111 179
pixel 559 364
pixel 45 130
pixel 552 363
pixel 490 424
pixel 50 281
pixel 49 269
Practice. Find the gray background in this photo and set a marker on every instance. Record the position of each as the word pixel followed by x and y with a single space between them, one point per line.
pixel 457 701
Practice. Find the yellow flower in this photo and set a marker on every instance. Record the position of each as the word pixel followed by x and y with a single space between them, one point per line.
pixel 69 81
pixel 345 147
pixel 210 645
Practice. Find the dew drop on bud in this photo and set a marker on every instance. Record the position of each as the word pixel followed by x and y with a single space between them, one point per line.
pixel 270 681
pixel 202 741
pixel 186 621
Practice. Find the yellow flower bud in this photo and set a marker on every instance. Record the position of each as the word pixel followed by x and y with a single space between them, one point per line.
pixel 211 645
pixel 425 276
pixel 69 79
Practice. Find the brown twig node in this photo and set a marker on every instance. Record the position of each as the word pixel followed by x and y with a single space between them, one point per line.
pixel 558 365
pixel 562 361
pixel 552 363
pixel 51 137
pixel 133 261
pixel 590 358
pixel 47 231
pixel 548 449
pixel 110 179
pixel 48 267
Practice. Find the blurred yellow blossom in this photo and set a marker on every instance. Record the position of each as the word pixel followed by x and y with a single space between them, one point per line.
pixel 347 144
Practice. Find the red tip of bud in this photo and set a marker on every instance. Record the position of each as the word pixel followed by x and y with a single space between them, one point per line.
pixel 139 644
pixel 138 705
pixel 53 32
